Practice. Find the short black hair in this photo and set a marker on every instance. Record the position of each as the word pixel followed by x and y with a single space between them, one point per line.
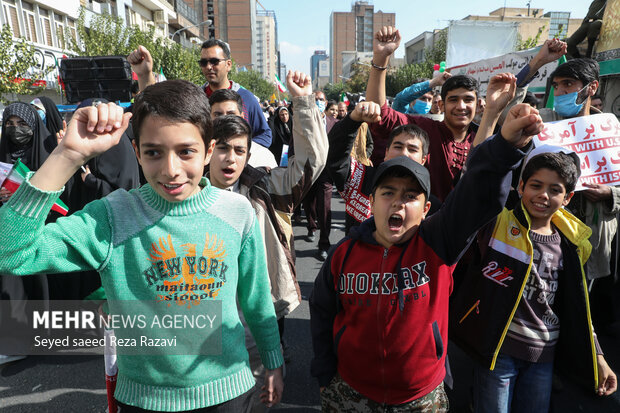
pixel 176 100
pixel 330 104
pixel 219 43
pixel 413 130
pixel 584 69
pixel 225 95
pixel 459 81
pixel 559 162
pixel 230 126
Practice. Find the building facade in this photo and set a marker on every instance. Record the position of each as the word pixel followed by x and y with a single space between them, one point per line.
pixel 267 44
pixel 353 32
pixel 551 24
pixel 317 68
pixel 234 21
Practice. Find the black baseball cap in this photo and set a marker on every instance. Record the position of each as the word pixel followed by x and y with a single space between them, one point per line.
pixel 418 171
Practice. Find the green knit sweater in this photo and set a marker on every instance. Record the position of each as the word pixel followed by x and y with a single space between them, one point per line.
pixel 139 242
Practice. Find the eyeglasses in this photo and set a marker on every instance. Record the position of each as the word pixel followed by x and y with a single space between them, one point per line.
pixel 214 61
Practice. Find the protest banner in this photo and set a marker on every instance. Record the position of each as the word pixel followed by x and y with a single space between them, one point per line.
pixel 483 70
pixel 595 139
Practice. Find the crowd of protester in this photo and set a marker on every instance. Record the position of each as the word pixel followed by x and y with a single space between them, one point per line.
pixel 431 183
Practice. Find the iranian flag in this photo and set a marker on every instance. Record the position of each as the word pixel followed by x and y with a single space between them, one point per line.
pixel 344 98
pixel 280 85
pixel 12 176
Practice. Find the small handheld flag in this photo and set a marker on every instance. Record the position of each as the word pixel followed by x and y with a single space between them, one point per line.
pixel 280 85
pixel 344 98
pixel 16 175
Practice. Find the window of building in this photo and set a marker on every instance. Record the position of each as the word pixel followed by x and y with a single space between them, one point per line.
pixel 10 11
pixel 71 27
pixel 30 27
pixel 46 25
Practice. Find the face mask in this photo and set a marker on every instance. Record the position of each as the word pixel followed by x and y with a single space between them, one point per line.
pixel 321 104
pixel 566 105
pixel 422 107
pixel 19 135
pixel 41 114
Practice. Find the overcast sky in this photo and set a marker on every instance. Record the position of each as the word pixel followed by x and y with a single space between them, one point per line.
pixel 303 25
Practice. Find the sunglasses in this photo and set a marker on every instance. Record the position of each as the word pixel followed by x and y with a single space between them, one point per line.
pixel 214 61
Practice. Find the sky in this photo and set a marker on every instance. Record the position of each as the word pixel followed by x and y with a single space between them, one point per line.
pixel 303 25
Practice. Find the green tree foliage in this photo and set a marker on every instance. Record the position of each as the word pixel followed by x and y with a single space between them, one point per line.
pixel 359 78
pixel 437 53
pixel 254 82
pixel 407 75
pixel 530 42
pixel 16 58
pixel 334 90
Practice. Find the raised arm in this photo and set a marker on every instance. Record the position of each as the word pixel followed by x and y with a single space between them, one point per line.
pixel 386 42
pixel 342 138
pixel 500 92
pixel 550 51
pixel 409 94
pixel 92 131
pixel 142 64
pixel 481 193
pixel 310 140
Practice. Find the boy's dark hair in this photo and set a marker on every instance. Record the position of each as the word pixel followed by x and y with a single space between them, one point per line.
pixel 176 100
pixel 230 126
pixel 413 130
pixel 459 81
pixel 584 69
pixel 559 162
pixel 217 42
pixel 225 95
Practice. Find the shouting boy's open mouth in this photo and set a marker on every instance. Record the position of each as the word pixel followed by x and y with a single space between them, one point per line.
pixel 395 222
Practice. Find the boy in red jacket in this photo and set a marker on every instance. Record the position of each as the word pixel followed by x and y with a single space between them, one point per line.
pixel 379 308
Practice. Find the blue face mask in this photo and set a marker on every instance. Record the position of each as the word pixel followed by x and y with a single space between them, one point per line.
pixel 422 107
pixel 321 104
pixel 41 114
pixel 566 105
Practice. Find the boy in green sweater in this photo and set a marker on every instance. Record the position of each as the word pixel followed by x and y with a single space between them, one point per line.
pixel 176 233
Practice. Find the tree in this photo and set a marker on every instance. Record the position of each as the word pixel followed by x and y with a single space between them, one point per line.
pixel 333 91
pixel 359 77
pixel 530 42
pixel 18 67
pixel 405 76
pixel 254 82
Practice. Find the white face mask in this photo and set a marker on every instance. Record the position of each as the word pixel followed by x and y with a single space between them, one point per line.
pixel 321 104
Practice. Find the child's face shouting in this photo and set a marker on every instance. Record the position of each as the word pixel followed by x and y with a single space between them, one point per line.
pixel 398 205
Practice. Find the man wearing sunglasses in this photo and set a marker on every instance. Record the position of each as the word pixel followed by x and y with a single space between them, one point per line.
pixel 215 63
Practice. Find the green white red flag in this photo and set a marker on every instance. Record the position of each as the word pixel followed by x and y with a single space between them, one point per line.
pixel 12 176
pixel 280 85
pixel 344 98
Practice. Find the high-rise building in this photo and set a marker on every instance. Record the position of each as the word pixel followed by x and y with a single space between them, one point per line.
pixel 353 32
pixel 315 67
pixel 267 44
pixel 234 21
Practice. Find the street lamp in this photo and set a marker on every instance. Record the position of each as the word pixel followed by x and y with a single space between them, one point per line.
pixel 207 22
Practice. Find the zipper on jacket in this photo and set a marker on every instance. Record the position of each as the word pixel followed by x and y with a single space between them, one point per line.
pixel 380 327
pixel 475 306
pixel 520 296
